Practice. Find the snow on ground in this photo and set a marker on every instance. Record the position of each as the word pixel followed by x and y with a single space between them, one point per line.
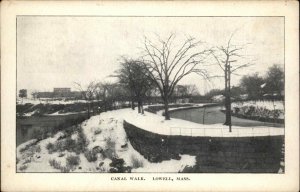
pixel 29 114
pixel 270 105
pixel 157 124
pixel 106 133
pixel 111 127
pixel 36 160
pixel 48 101
pixel 167 166
pixel 68 113
pixel 262 108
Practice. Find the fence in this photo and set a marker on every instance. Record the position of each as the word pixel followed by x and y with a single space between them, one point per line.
pixel 224 132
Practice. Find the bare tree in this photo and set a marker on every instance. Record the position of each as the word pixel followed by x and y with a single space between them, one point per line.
pixel 88 94
pixel 101 93
pixel 226 56
pixel 34 94
pixel 192 90
pixel 134 76
pixel 168 64
pixel 111 94
pixel 186 90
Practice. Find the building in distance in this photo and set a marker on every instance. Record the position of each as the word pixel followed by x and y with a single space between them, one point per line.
pixel 60 93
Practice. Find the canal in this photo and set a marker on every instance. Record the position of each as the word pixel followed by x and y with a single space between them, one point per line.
pixel 30 127
pixel 213 115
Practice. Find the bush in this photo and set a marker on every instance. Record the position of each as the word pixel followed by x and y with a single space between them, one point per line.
pixel 28 146
pixel 81 143
pixel 110 151
pixel 28 160
pixel 23 167
pixel 68 144
pixel 117 166
pixel 73 161
pixel 78 146
pixel 91 156
pixel 55 164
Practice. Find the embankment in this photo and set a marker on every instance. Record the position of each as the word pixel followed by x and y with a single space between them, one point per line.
pixel 261 154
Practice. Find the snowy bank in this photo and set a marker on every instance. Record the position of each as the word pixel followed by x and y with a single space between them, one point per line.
pixel 106 150
pixel 157 124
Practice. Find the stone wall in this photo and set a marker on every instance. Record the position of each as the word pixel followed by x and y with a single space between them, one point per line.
pixel 213 154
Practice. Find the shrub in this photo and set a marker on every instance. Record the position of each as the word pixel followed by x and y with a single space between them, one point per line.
pixel 50 147
pixel 55 164
pixel 23 167
pixel 72 161
pixel 81 143
pixel 28 146
pixel 117 166
pixel 110 151
pixel 27 160
pixel 69 144
pixel 65 169
pixel 91 156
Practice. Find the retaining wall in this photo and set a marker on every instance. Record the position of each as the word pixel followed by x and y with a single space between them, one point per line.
pixel 213 154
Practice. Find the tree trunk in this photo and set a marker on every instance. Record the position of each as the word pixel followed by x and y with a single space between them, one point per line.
pixel 139 106
pixel 132 104
pixel 166 105
pixel 227 116
pixel 142 108
pixel 227 110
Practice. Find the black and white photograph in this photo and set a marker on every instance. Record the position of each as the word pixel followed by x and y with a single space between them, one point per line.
pixel 150 94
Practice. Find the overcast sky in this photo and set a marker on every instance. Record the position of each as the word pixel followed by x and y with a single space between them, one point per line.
pixel 56 51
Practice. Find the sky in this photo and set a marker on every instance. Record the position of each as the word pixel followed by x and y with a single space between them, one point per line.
pixel 58 51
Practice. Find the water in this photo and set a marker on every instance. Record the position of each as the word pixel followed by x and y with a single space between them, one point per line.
pixel 28 127
pixel 213 115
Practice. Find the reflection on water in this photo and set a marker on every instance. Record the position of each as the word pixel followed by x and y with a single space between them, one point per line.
pixel 30 127
pixel 213 115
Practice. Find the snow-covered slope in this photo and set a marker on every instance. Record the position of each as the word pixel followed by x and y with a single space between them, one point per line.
pixel 104 132
pixel 107 145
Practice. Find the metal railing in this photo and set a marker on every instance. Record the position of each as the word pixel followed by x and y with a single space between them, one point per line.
pixel 221 132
